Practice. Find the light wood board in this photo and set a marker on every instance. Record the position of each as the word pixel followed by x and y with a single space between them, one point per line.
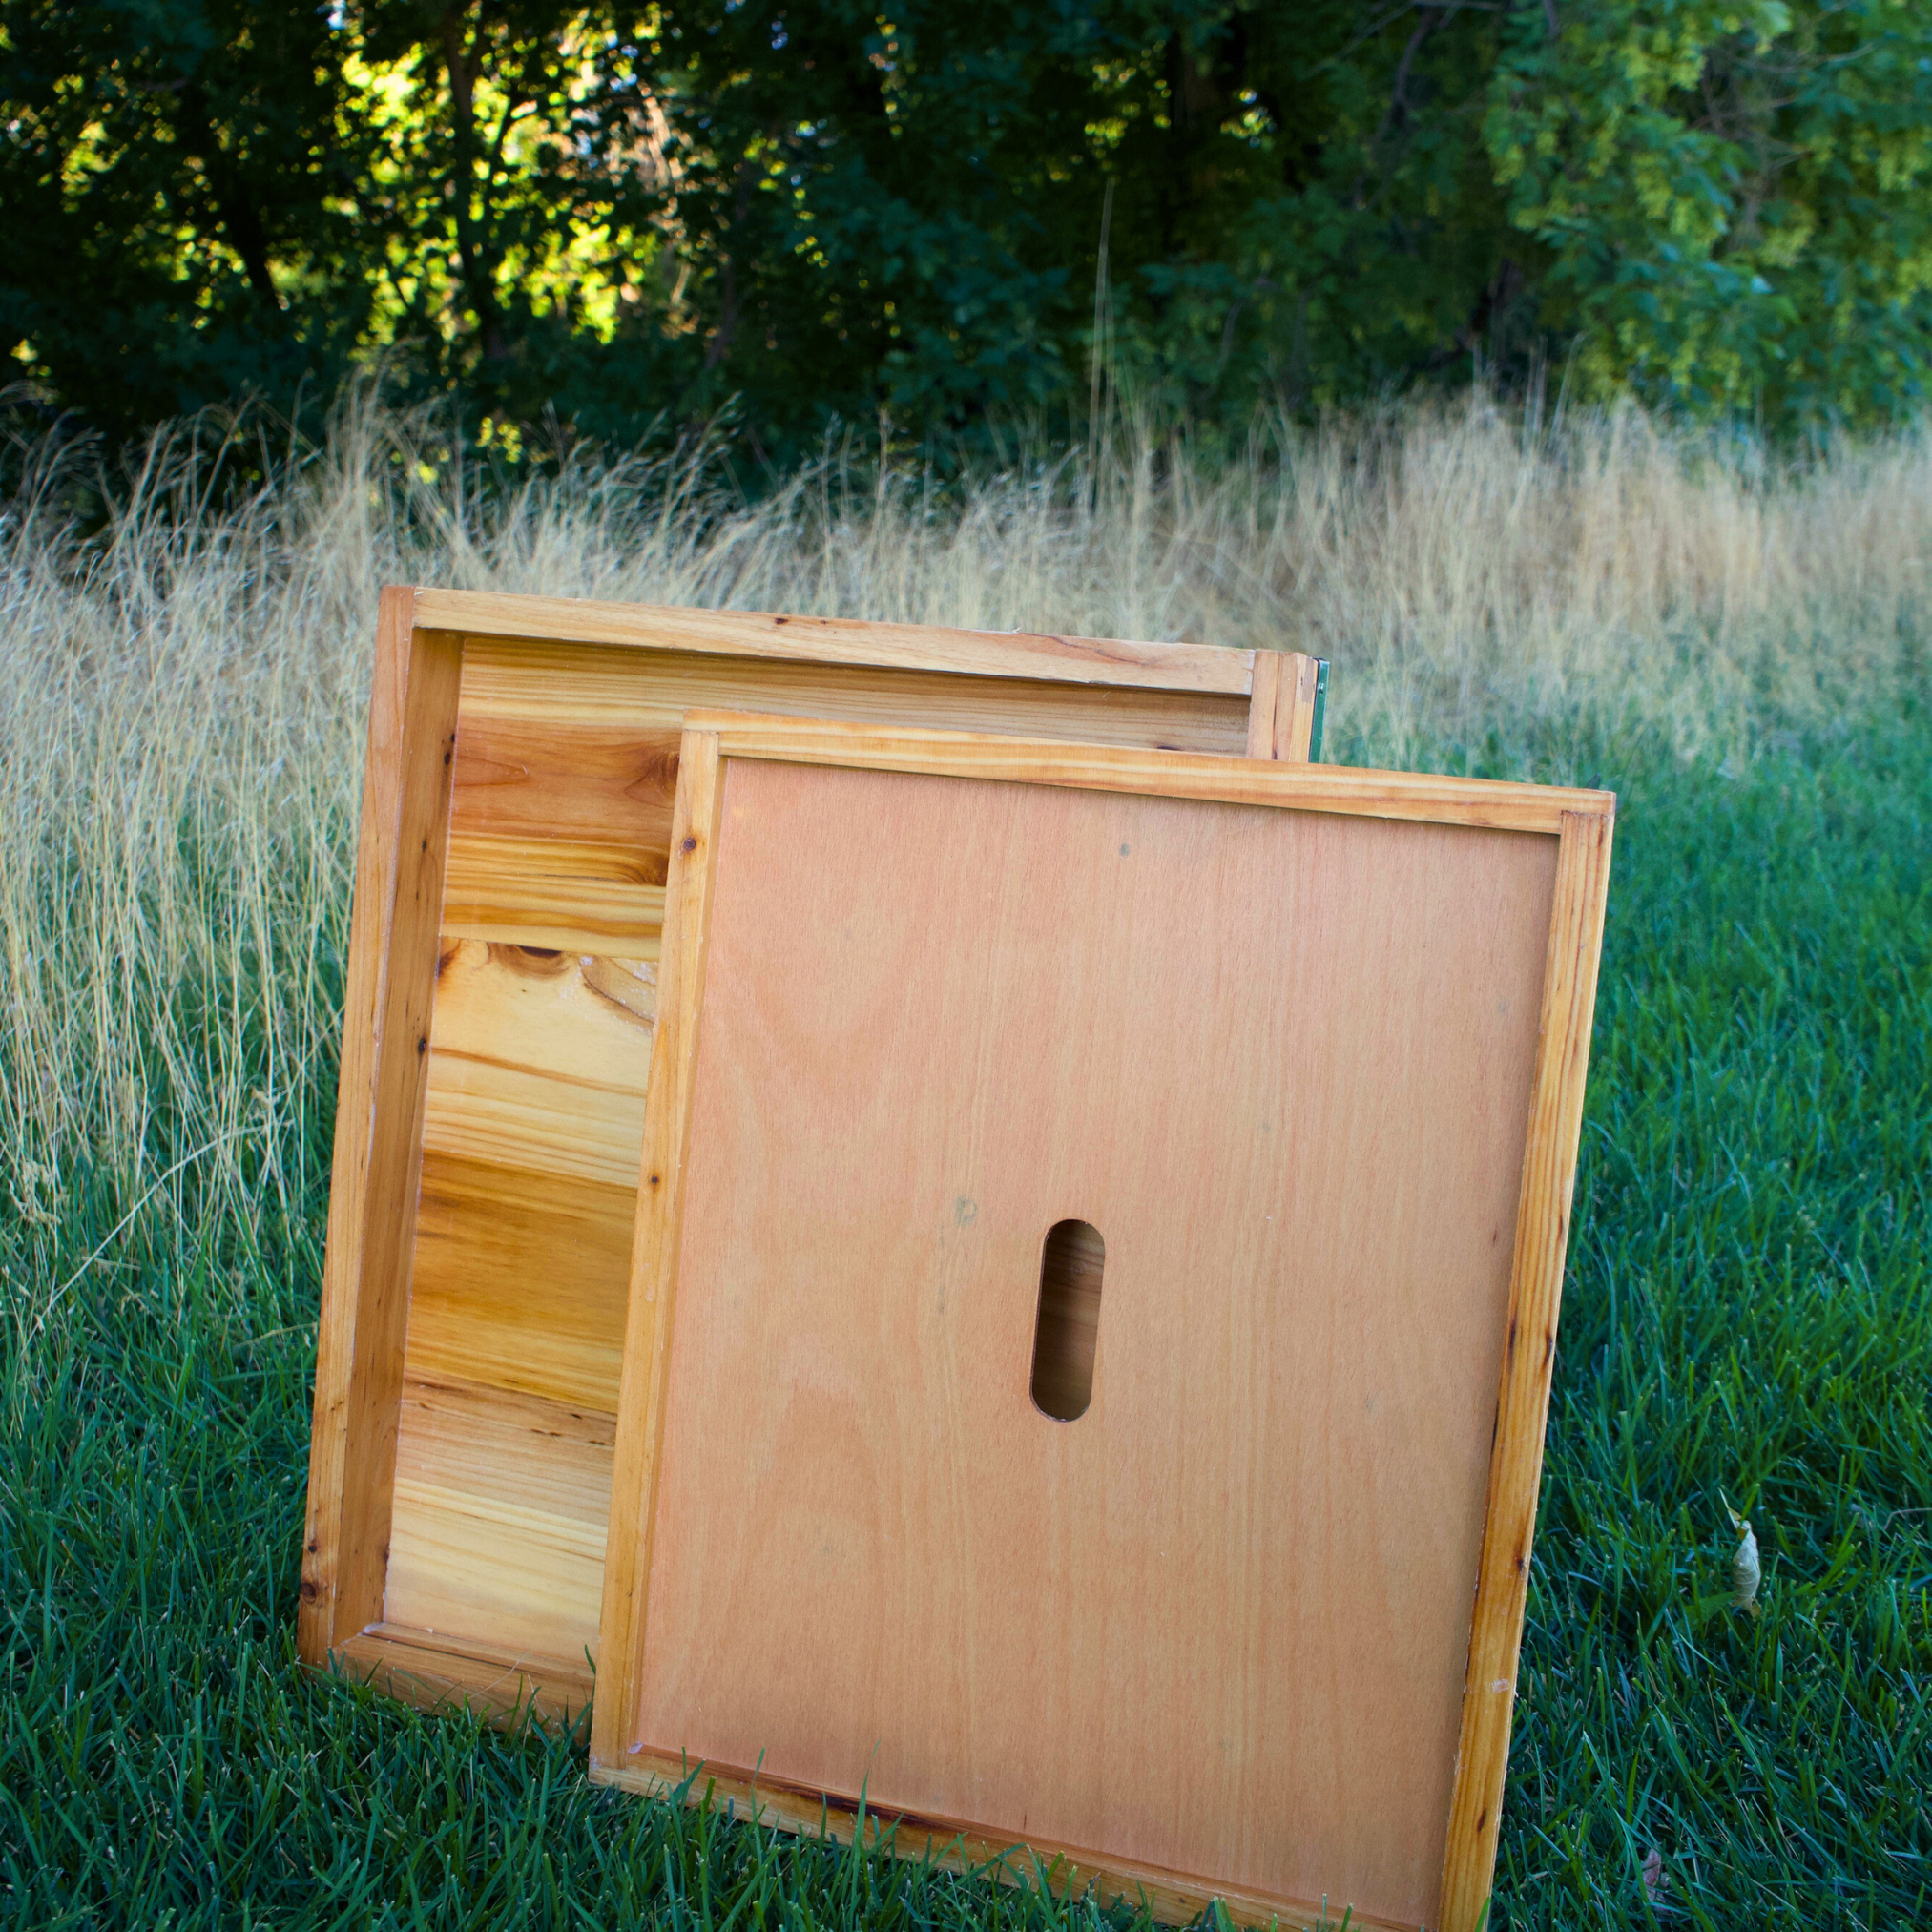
pixel 1305 1050
pixel 497 1034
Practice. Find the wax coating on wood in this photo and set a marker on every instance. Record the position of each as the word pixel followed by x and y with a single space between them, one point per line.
pixel 1219 1625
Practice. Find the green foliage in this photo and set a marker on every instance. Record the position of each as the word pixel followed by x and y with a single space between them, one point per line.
pixel 179 202
pixel 1747 1318
pixel 1732 200
pixel 629 217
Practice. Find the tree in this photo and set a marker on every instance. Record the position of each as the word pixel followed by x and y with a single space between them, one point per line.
pixel 630 217
pixel 1729 202
pixel 180 185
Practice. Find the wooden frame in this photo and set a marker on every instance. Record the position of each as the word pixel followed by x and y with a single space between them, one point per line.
pixel 515 821
pixel 1579 822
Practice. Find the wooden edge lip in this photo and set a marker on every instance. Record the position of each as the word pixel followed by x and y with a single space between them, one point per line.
pixel 1498 803
pixel 1040 655
pixel 1544 1224
pixel 372 890
pixel 1264 703
pixel 436 1676
pixel 1174 1898
pixel 623 1611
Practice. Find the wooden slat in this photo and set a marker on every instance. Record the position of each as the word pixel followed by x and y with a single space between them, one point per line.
pixel 1488 804
pixel 1265 699
pixel 535 1064
pixel 610 782
pixel 753 634
pixel 1295 712
pixel 834 1433
pixel 499 1685
pixel 501 1509
pixel 520 1280
pixel 581 683
pixel 1282 705
pixel 1523 1401
pixel 561 819
pixel 386 1024
pixel 572 895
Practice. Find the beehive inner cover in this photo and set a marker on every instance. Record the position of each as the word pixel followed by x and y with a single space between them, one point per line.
pixel 1281 1061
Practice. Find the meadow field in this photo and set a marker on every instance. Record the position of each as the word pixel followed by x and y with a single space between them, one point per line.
pixel 1739 642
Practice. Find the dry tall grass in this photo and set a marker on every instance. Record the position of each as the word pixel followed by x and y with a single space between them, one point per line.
pixel 181 695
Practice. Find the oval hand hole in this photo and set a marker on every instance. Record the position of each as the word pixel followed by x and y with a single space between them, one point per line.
pixel 1071 1263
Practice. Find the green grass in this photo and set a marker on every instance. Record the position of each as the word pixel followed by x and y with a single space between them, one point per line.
pixel 1747 1318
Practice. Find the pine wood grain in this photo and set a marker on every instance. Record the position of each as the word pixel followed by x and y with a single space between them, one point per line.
pixel 1282 709
pixel 1264 698
pixel 535 1062
pixel 633 1514
pixel 1295 716
pixel 831 641
pixel 1523 1402
pixel 572 895
pixel 498 1684
pixel 501 1505
pixel 391 973
pixel 567 761
pixel 610 782
pixel 520 1280
pixel 511 685
pixel 939 1018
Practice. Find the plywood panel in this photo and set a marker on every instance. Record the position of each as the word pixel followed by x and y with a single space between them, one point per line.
pixel 500 1514
pixel 1218 1626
